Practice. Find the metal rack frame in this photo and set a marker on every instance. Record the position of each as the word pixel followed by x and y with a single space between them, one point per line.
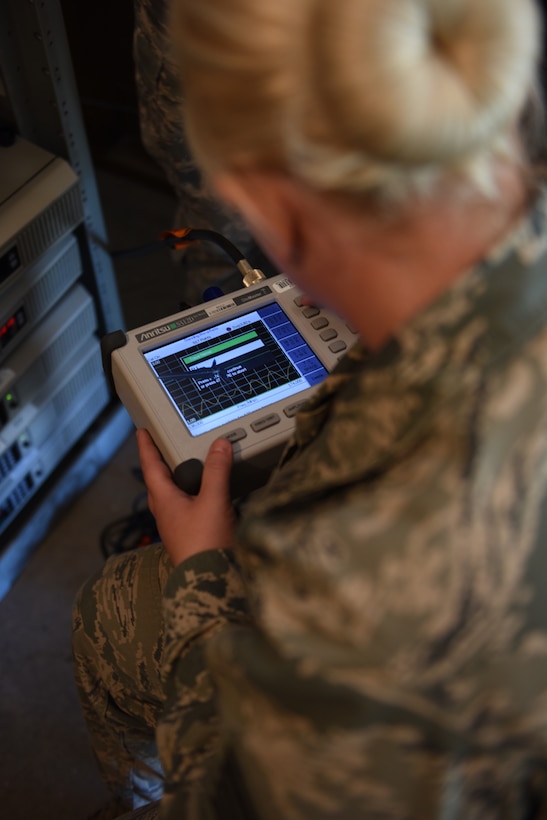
pixel 39 79
pixel 36 69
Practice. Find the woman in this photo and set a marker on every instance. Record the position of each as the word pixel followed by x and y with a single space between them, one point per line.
pixel 375 645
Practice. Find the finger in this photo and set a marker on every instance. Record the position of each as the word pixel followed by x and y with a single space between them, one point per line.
pixel 153 467
pixel 216 470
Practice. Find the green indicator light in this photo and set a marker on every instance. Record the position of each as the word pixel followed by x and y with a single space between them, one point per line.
pixel 173 325
pixel 212 351
pixel 9 397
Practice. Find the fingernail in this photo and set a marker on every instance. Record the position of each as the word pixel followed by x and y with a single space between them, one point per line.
pixel 221 445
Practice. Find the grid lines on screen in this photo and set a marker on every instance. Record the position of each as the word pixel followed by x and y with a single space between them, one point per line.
pixel 236 366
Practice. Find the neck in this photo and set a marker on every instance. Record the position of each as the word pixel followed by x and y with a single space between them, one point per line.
pixel 386 271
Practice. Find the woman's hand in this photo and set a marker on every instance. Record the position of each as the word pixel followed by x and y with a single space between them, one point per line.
pixel 189 524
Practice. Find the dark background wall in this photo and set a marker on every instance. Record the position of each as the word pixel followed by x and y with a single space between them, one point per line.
pixel 100 41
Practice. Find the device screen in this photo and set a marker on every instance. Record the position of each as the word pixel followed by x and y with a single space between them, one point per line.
pixel 236 367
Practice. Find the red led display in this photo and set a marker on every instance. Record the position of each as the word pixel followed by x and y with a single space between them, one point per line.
pixel 11 327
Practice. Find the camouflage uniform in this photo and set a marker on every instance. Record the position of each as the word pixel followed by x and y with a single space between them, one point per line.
pixel 160 114
pixel 380 648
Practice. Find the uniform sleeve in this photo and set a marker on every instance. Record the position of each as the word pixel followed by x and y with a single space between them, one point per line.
pixel 389 671
pixel 202 596
pixel 160 95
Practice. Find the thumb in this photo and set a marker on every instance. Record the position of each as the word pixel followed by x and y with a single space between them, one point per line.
pixel 216 470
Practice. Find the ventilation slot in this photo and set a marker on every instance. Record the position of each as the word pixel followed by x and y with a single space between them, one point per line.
pixel 18 497
pixel 55 282
pixel 54 222
pixel 8 460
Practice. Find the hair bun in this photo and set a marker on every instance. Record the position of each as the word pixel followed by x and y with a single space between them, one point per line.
pixel 420 81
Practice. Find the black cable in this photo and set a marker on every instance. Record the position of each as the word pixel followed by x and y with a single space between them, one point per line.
pixel 217 239
pixel 171 241
pixel 138 529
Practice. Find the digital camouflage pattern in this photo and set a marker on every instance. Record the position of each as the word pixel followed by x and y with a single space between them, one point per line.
pixel 117 656
pixel 160 99
pixel 393 659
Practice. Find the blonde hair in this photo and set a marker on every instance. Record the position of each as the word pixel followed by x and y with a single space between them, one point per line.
pixel 356 95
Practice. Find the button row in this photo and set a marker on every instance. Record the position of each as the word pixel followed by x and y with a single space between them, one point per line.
pixel 239 433
pixel 321 323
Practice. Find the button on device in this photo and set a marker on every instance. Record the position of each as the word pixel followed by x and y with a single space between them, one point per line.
pixel 310 311
pixel 329 334
pixel 265 422
pixel 293 409
pixel 236 435
pixel 337 347
pixel 317 324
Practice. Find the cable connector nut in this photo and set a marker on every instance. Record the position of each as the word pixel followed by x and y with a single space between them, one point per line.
pixel 250 275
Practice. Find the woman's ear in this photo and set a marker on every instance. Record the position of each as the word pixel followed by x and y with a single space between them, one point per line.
pixel 267 206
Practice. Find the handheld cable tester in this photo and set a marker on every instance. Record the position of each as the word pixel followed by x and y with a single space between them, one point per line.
pixel 238 366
